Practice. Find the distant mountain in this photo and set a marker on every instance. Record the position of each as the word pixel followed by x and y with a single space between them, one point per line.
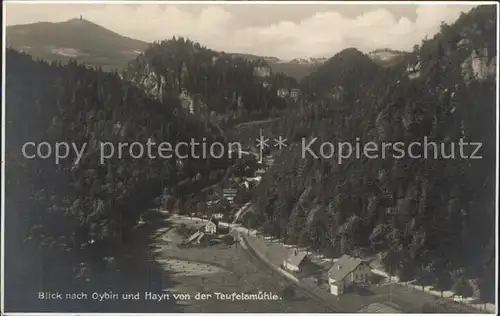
pixel 95 45
pixel 300 68
pixel 297 68
pixel 77 39
pixel 308 61
pixel 338 74
pixel 252 57
pixel 387 57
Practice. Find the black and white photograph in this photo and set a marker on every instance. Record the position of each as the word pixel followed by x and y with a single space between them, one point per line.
pixel 311 157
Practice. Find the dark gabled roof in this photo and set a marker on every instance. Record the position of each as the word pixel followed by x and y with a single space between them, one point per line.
pixel 200 237
pixel 297 259
pixel 343 267
pixel 214 220
pixel 194 236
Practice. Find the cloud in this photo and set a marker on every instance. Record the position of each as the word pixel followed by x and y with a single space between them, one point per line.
pixel 329 32
pixel 215 26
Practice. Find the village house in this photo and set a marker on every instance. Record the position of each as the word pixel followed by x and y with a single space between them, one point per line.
pixel 252 181
pixel 346 272
pixel 210 203
pixel 229 194
pixel 260 172
pixel 211 226
pixel 262 71
pixel 295 94
pixel 268 161
pixel 218 216
pixel 296 262
pixel 283 92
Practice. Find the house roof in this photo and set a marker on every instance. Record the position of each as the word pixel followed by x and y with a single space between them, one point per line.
pixel 297 259
pixel 213 220
pixel 343 267
pixel 193 236
pixel 210 224
pixel 200 237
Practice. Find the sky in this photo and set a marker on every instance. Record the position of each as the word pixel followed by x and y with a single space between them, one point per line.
pixel 285 31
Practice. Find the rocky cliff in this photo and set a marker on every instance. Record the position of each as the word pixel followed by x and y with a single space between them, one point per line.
pixel 208 82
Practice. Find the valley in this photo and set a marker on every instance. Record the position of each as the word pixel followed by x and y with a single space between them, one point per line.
pixel 421 231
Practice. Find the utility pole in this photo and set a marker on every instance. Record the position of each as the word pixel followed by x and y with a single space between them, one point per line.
pixel 390 293
pixel 261 138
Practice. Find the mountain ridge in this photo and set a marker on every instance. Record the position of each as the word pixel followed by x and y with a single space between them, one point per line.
pixel 100 47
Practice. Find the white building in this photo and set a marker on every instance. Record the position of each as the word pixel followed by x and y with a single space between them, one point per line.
pixel 262 71
pixel 229 194
pixel 260 172
pixel 295 94
pixel 211 227
pixel 218 215
pixel 348 271
pixel 268 161
pixel 282 92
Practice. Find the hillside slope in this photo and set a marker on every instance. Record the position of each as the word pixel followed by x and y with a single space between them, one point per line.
pixel 70 211
pixel 209 82
pixel 428 219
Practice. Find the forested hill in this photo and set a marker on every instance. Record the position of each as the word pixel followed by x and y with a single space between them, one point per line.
pixel 64 205
pixel 428 219
pixel 227 84
pixel 348 73
pixel 77 39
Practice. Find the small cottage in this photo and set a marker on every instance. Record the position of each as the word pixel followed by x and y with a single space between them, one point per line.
pixel 262 71
pixel 348 271
pixel 295 94
pixel 282 92
pixel 296 262
pixel 211 226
